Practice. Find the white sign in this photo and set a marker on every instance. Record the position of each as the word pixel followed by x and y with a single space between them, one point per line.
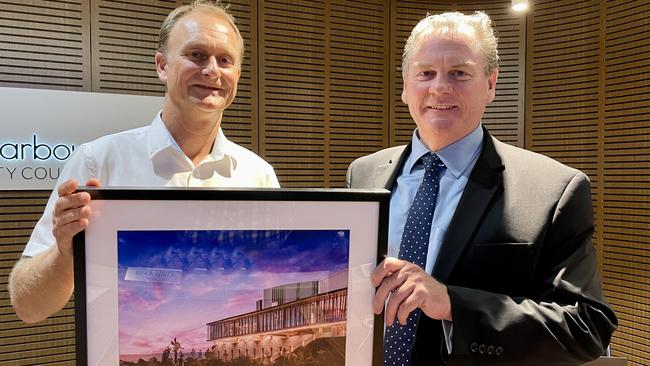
pixel 158 275
pixel 41 129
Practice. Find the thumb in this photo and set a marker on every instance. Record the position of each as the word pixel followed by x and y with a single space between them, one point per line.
pixel 93 182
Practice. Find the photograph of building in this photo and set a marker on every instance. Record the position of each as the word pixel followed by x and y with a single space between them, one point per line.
pixel 289 316
pixel 262 285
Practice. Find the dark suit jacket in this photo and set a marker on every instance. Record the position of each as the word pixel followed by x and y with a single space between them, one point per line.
pixel 517 259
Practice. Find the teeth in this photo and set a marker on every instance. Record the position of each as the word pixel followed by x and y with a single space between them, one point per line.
pixel 440 106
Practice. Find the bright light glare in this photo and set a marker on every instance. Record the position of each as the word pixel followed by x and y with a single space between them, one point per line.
pixel 519 5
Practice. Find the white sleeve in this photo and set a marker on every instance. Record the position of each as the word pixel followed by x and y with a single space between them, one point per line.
pixel 272 180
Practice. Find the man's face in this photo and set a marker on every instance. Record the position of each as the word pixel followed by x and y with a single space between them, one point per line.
pixel 200 67
pixel 446 88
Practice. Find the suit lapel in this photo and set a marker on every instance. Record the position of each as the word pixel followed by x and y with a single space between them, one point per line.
pixel 484 181
pixel 386 174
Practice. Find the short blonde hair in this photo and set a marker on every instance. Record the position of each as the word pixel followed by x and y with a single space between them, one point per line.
pixel 479 24
pixel 178 13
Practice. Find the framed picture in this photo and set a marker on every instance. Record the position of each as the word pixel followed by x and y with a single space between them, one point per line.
pixel 229 277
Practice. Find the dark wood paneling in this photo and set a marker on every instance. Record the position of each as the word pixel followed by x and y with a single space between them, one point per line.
pixel 626 167
pixel 124 42
pixel 322 94
pixel 588 107
pixel 45 44
pixel 357 76
pixel 47 342
pixel 292 89
pixel 240 120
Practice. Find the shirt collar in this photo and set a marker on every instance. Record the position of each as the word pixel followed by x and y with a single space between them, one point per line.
pixel 457 156
pixel 159 140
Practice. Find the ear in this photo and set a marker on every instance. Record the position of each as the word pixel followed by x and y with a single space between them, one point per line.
pixel 161 67
pixel 404 97
pixel 492 86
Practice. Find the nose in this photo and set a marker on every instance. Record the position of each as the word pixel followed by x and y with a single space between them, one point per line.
pixel 439 85
pixel 211 68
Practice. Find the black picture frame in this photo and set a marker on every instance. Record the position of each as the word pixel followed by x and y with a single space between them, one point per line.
pixel 358 216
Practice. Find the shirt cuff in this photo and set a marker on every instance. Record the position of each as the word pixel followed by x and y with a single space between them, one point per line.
pixel 448 330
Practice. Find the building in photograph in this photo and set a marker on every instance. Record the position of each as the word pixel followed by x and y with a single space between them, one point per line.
pixel 287 317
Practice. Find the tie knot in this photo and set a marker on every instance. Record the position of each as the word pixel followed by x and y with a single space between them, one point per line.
pixel 432 162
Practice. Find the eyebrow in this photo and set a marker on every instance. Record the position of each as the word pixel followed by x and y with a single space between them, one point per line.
pixel 423 65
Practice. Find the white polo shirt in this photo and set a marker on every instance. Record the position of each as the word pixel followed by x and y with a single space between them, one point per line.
pixel 150 157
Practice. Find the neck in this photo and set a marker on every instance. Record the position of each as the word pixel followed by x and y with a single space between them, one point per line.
pixel 437 140
pixel 194 134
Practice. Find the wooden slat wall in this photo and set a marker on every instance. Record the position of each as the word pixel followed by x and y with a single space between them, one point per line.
pixel 357 77
pixel 48 342
pixel 563 96
pixel 626 173
pixel 587 106
pixel 45 44
pixel 322 93
pixel 505 116
pixel 240 120
pixel 292 89
pixel 124 41
pixel 42 45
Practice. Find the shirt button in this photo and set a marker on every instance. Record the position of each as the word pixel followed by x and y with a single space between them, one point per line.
pixel 481 349
pixel 473 347
pixel 490 350
pixel 499 351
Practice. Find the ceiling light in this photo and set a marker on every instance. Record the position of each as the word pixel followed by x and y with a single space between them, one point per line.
pixel 519 5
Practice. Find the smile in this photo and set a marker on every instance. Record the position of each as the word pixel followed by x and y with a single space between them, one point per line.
pixel 442 107
pixel 213 88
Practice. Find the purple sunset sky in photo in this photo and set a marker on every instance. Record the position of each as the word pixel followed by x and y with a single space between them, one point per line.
pixel 223 274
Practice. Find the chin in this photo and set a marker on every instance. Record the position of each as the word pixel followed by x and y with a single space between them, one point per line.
pixel 209 104
pixel 438 125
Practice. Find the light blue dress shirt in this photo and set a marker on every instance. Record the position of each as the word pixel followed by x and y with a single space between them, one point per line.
pixel 459 159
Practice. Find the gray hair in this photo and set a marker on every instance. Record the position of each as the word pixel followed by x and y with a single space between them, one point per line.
pixel 478 24
pixel 178 13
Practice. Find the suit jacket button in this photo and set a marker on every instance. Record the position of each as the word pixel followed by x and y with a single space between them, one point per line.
pixel 481 349
pixel 498 351
pixel 473 347
pixel 490 350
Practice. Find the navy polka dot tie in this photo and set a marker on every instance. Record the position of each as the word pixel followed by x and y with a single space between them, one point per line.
pixel 398 341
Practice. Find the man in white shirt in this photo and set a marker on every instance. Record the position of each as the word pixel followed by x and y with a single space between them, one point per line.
pixel 199 60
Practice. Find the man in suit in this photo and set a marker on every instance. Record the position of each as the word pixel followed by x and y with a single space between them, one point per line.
pixel 505 270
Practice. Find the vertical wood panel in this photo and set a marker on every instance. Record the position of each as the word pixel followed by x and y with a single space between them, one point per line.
pixel 45 44
pixel 588 107
pixel 322 94
pixel 292 90
pixel 626 182
pixel 357 93
pixel 240 120
pixel 124 43
pixel 47 342
pixel 564 101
